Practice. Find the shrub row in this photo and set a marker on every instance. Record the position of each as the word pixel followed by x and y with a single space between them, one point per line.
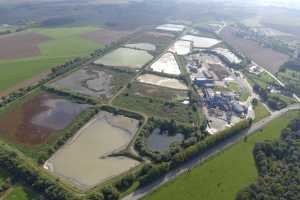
pixel 208 143
pixel 117 111
pixel 56 71
pixel 73 96
pixel 21 170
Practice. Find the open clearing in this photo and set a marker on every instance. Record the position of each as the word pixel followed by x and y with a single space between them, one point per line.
pixel 62 45
pixel 260 112
pixel 142 46
pixel 217 177
pixel 163 93
pixel 166 64
pixel 162 81
pixel 171 27
pixel 102 135
pixel 21 45
pixel 22 193
pixel 32 122
pixel 125 57
pixel 160 102
pixel 266 57
pixel 201 42
pixel 181 47
pixel 104 36
pixel 93 81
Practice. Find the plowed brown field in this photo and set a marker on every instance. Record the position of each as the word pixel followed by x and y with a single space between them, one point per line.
pixel 32 122
pixel 266 57
pixel 21 45
pixel 104 36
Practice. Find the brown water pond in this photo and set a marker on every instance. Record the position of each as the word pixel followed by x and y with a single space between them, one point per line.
pixel 32 122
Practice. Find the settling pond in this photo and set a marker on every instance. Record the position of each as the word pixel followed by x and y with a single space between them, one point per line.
pixel 32 122
pixel 83 162
pixel 158 141
pixel 142 46
pixel 87 81
pixel 125 57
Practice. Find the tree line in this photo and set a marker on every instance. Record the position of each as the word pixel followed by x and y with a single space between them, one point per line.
pixel 273 102
pixel 25 172
pixel 278 166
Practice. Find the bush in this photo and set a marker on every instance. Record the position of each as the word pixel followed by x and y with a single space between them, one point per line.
pixel 211 141
pixel 110 193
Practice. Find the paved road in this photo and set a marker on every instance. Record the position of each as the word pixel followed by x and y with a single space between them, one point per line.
pixel 213 151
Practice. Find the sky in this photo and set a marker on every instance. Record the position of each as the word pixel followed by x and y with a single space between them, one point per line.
pixel 278 3
pixel 281 3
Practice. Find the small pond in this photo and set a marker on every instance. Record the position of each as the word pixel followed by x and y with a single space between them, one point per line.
pixel 158 141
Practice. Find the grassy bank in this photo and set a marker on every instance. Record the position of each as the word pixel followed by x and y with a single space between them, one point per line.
pixel 222 176
pixel 21 193
pixel 260 112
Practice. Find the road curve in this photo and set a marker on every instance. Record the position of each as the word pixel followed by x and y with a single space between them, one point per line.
pixel 204 156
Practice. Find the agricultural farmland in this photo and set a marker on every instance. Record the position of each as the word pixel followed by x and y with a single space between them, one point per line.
pixel 104 36
pixel 40 116
pixel 125 57
pixel 43 49
pixel 166 64
pixel 265 57
pixel 162 81
pixel 21 45
pixel 93 81
pixel 103 135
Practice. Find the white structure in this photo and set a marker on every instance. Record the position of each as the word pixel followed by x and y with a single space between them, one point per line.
pixel 254 69
pixel 201 42
pixel 171 27
pixel 231 57
pixel 166 64
pixel 181 47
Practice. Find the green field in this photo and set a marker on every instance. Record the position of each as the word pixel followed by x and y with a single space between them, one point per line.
pixel 156 106
pixel 65 44
pixel 222 176
pixel 260 112
pixel 3 177
pixel 263 79
pixel 244 93
pixel 21 193
pixel 291 79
